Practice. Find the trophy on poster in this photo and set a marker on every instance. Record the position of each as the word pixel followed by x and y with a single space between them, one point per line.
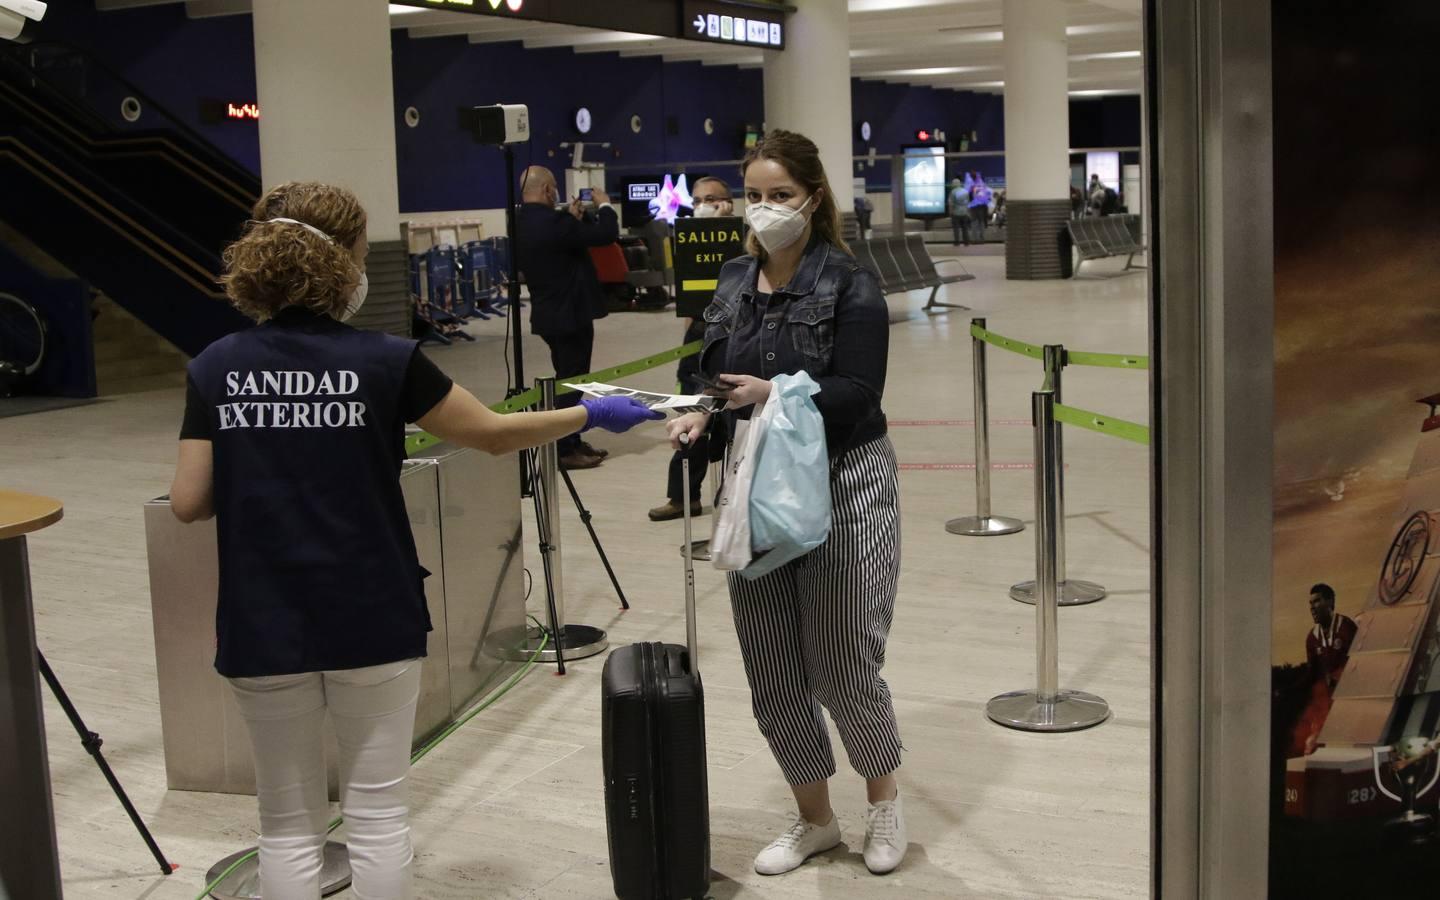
pixel 1410 760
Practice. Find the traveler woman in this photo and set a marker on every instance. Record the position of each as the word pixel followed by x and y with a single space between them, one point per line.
pixel 812 633
pixel 293 439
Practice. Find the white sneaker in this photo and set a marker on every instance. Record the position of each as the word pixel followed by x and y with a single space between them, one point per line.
pixel 802 841
pixel 885 838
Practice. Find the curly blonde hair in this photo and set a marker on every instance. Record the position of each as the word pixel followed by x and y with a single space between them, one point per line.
pixel 278 264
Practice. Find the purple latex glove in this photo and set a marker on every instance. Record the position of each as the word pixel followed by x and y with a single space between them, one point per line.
pixel 616 414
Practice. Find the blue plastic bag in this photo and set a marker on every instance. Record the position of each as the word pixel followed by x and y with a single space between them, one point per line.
pixel 790 493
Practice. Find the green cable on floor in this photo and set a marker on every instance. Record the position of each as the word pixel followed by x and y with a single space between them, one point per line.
pixel 414 757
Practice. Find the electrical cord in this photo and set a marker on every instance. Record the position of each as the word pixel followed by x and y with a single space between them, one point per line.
pixel 418 754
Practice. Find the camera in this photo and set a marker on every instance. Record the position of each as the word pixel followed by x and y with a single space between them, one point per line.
pixel 16 17
pixel 506 123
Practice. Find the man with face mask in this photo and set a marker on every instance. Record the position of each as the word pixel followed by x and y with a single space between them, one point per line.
pixel 712 199
pixel 565 295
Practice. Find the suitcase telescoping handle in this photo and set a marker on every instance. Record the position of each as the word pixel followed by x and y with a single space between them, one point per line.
pixel 691 639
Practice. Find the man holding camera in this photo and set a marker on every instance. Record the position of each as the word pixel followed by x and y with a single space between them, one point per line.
pixel 553 252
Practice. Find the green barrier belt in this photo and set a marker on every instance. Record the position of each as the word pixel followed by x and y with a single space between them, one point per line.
pixel 421 440
pixel 1004 343
pixel 1113 427
pixel 1106 360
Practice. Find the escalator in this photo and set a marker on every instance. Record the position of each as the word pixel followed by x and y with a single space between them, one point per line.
pixel 142 214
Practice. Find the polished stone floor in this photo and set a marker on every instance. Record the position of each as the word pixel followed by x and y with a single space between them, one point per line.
pixel 511 806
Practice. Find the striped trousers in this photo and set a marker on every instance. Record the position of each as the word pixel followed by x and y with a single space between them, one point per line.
pixel 812 633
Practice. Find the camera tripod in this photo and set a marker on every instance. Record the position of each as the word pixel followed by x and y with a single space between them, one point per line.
pixel 91 742
pixel 538 470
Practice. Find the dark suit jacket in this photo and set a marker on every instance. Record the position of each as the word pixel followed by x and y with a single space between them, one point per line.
pixel 554 254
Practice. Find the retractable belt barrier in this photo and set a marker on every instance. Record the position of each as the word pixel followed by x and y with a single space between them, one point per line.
pixel 1047 707
pixel 526 399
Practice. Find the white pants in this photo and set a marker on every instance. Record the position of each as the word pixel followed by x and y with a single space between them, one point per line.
pixel 373 712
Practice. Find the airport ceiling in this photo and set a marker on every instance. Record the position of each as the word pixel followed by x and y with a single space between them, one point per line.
pixel 940 43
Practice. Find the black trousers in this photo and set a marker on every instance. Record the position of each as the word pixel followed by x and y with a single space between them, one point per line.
pixel 708 449
pixel 960 228
pixel 570 356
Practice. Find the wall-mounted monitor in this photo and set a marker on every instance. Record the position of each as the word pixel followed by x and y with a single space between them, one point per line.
pixel 924 178
pixel 1106 164
pixel 645 198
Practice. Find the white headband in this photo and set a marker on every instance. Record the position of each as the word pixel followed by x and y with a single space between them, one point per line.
pixel 305 225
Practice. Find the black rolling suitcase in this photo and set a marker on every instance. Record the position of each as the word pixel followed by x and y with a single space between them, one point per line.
pixel 657 802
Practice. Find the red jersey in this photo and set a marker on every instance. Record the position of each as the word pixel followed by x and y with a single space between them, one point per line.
pixel 1327 649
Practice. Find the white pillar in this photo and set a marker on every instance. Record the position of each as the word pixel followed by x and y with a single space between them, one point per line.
pixel 1037 101
pixel 807 88
pixel 327 105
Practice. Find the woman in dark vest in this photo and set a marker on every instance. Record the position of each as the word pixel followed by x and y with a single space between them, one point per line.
pixel 293 439
pixel 812 633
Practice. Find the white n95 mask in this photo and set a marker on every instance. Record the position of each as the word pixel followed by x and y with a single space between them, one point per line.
pixel 357 298
pixel 775 225
pixel 706 210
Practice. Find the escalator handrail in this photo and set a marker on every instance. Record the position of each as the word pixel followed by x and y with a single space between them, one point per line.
pixel 184 265
pixel 164 148
pixel 177 241
pixel 238 173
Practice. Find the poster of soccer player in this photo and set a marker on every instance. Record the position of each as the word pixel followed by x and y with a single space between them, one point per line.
pixel 1356 579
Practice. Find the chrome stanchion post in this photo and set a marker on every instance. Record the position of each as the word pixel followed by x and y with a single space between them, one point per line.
pixel 570 642
pixel 982 524
pixel 1072 592
pixel 1047 707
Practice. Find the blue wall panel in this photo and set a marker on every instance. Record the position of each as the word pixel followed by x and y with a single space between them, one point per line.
pixel 442 168
pixel 174 59
pixel 180 60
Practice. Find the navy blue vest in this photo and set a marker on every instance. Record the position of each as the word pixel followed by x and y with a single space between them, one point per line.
pixel 318 568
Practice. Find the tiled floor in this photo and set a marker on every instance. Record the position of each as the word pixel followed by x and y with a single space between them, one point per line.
pixel 511 806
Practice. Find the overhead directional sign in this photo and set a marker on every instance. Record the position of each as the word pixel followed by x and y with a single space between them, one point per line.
pixel 751 24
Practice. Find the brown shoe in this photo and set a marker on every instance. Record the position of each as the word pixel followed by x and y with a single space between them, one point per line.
pixel 594 451
pixel 577 459
pixel 672 510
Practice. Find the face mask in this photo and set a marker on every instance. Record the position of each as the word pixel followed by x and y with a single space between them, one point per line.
pixel 707 211
pixel 775 225
pixel 357 298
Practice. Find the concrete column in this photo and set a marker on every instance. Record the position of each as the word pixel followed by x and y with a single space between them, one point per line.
pixel 807 88
pixel 1037 136
pixel 327 105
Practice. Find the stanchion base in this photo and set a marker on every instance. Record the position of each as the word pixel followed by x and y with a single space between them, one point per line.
pixel 1069 711
pixel 1072 592
pixel 577 641
pixel 984 526
pixel 244 882
pixel 698 550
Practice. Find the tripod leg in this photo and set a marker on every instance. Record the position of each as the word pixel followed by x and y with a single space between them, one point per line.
pixel 91 742
pixel 543 529
pixel 585 517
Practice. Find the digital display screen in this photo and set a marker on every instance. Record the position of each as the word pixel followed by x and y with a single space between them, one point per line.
pixel 924 174
pixel 1106 164
pixel 650 197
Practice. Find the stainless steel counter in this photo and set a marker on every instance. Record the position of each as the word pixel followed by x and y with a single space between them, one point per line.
pixel 464 509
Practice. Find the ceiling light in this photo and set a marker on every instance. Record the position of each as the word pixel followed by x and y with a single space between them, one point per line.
pixel 1118 54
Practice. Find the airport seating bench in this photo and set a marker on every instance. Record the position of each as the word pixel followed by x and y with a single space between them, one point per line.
pixel 1098 237
pixel 902 263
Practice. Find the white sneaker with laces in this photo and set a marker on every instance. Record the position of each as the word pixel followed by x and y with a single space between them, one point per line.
pixel 800 842
pixel 885 838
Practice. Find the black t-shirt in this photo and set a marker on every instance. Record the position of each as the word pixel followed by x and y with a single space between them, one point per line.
pixel 424 387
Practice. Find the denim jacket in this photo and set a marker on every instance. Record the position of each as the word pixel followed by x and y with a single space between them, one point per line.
pixel 830 321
